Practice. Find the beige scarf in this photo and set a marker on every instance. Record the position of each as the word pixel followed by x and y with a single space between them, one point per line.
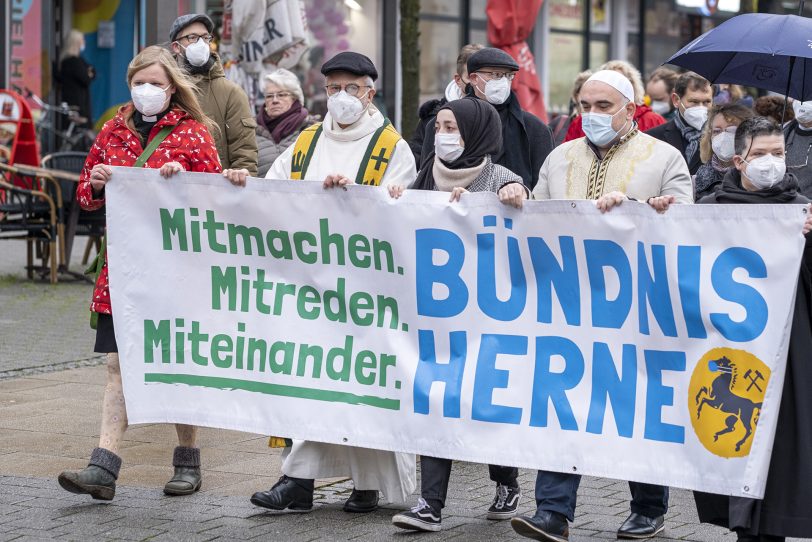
pixel 447 179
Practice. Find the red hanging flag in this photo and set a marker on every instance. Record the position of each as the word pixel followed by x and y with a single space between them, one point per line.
pixel 509 25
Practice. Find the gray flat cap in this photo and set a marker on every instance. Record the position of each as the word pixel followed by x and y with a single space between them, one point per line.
pixel 490 57
pixel 185 20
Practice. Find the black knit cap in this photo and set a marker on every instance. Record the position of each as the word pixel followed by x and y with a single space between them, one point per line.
pixel 354 63
pixel 490 57
pixel 185 20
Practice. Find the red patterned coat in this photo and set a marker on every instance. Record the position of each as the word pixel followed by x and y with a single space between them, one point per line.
pixel 189 144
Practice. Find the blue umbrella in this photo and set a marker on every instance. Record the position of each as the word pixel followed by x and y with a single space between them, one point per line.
pixel 762 50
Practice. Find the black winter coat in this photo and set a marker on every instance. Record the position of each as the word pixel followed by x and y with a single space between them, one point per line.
pixel 426 124
pixel 75 76
pixel 786 509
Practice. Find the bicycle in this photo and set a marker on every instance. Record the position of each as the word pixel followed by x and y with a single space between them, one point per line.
pixel 73 138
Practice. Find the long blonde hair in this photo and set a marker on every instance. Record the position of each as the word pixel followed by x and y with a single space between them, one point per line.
pixel 73 44
pixel 185 96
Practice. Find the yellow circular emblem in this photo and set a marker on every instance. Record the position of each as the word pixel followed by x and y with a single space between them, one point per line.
pixel 724 400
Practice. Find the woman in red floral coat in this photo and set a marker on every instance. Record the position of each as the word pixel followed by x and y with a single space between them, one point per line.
pixel 161 96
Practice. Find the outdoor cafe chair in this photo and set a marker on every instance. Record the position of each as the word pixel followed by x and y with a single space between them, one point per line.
pixel 31 210
pixel 78 221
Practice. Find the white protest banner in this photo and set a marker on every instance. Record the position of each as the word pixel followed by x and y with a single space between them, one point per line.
pixel 629 345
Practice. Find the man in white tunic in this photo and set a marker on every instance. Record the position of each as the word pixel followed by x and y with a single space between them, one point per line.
pixel 354 144
pixel 613 163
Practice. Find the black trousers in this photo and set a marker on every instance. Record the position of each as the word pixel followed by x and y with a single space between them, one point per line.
pixel 557 492
pixel 435 473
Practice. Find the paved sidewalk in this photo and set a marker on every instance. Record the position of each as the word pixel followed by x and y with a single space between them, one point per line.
pixel 51 386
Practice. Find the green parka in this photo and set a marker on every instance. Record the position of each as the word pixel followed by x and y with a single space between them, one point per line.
pixel 227 105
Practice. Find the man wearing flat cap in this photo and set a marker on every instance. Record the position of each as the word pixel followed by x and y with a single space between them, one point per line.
pixel 526 141
pixel 613 163
pixel 355 143
pixel 222 100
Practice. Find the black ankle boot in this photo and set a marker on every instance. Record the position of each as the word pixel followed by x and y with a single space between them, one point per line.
pixel 187 478
pixel 98 479
pixel 294 494
pixel 362 501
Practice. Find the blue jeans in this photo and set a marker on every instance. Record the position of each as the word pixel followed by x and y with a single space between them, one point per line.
pixel 557 492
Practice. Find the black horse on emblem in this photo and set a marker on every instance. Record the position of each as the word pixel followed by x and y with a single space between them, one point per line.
pixel 721 397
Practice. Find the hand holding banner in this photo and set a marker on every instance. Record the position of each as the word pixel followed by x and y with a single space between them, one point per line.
pixel 630 345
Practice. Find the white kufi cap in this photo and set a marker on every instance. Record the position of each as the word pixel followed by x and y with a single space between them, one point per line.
pixel 616 80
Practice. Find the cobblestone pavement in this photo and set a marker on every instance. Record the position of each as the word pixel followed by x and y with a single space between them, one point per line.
pixel 49 418
pixel 37 509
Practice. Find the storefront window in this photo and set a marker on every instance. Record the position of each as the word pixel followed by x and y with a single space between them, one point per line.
pixel 440 7
pixel 565 65
pixel 439 46
pixel 566 15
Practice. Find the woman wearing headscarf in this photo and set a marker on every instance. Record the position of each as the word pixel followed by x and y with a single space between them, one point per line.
pixel 467 133
pixel 760 176
pixel 282 117
pixel 716 147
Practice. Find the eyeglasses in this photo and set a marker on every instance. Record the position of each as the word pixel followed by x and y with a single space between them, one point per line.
pixel 499 75
pixel 278 96
pixel 352 89
pixel 192 38
pixel 806 162
pixel 729 129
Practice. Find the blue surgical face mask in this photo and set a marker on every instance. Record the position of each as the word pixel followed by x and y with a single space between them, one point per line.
pixel 598 127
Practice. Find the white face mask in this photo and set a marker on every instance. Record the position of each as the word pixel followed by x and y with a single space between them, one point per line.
pixel 803 111
pixel 598 127
pixel 345 109
pixel 148 99
pixel 696 116
pixel 197 53
pixel 447 147
pixel 765 171
pixel 452 91
pixel 722 145
pixel 497 91
pixel 661 108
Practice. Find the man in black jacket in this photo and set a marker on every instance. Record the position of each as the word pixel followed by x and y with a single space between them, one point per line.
pixel 692 99
pixel 454 91
pixel 526 141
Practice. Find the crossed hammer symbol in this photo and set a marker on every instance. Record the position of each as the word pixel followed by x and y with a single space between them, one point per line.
pixel 754 379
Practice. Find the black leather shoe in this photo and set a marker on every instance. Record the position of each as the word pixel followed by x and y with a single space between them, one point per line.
pixel 545 525
pixel 186 481
pixel 362 501
pixel 93 481
pixel 285 494
pixel 639 526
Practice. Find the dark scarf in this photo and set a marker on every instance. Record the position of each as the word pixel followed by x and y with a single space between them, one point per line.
pixel 732 190
pixel 286 123
pixel 481 133
pixel 515 153
pixel 199 70
pixel 690 134
pixel 709 174
pixel 144 127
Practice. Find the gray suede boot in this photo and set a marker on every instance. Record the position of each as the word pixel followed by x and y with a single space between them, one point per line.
pixel 187 478
pixel 98 479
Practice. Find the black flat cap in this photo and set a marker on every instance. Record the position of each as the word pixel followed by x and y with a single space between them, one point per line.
pixel 491 57
pixel 185 20
pixel 354 63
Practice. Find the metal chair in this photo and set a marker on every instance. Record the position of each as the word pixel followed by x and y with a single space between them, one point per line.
pixel 31 210
pixel 79 222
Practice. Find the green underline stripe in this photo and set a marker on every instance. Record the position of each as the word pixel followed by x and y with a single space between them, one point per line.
pixel 273 389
